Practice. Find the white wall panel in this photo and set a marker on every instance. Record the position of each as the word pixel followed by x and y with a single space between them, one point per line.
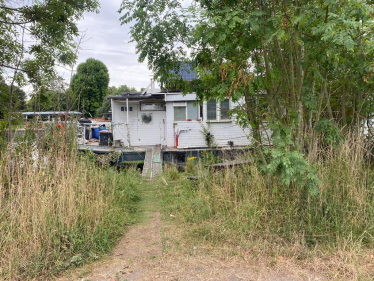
pixel 191 134
pixel 170 133
pixel 162 130
pixel 180 97
pixel 140 133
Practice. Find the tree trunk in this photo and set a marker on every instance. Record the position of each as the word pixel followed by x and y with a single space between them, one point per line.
pixel 10 112
pixel 344 115
pixel 255 125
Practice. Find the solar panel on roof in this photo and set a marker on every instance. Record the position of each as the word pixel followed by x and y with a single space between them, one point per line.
pixel 185 71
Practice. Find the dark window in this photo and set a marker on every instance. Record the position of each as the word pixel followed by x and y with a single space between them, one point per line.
pixel 225 107
pixel 212 110
pixel 122 108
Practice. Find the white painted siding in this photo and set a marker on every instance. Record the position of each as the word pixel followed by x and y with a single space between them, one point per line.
pixel 191 135
pixel 180 97
pixel 140 133
pixel 162 130
pixel 170 133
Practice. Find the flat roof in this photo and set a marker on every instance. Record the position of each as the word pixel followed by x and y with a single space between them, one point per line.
pixel 46 113
pixel 137 96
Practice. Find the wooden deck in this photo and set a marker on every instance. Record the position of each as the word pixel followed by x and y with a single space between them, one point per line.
pixel 101 149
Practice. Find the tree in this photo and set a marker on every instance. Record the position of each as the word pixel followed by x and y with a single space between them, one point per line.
pixel 19 100
pixel 122 89
pixel 304 67
pixel 299 64
pixel 47 100
pixel 52 96
pixel 51 26
pixel 112 91
pixel 90 85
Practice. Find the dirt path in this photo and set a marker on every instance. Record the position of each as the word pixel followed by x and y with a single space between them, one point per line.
pixel 153 250
pixel 140 244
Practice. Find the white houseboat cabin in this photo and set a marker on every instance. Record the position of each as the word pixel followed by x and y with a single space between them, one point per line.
pixel 173 120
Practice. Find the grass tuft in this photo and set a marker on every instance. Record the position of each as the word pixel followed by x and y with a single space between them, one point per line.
pixel 59 209
pixel 246 208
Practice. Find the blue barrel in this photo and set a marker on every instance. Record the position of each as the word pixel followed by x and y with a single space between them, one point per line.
pixel 96 133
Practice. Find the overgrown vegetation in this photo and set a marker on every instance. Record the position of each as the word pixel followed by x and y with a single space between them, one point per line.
pixel 250 209
pixel 58 209
pixel 208 136
pixel 51 26
pixel 306 65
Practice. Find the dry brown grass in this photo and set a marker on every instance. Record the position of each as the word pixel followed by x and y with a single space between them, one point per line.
pixel 56 210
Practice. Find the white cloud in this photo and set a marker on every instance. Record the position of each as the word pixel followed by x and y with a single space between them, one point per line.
pixel 107 40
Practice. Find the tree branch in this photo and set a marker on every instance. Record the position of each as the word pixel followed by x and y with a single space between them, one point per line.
pixel 11 9
pixel 13 68
pixel 16 23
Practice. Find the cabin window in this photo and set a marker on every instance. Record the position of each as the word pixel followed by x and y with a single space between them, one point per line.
pixel 224 109
pixel 212 110
pixel 152 106
pixel 192 110
pixel 185 111
pixel 180 111
pixel 217 111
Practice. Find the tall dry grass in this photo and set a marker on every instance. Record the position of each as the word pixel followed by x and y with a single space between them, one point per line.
pixel 241 207
pixel 57 208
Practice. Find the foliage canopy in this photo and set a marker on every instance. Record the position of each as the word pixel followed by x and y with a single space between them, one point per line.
pixel 90 85
pixel 50 25
pixel 303 65
pixel 112 91
pixel 292 61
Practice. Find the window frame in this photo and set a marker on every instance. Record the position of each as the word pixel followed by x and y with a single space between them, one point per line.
pixel 152 103
pixel 207 110
pixel 124 108
pixel 179 104
pixel 218 111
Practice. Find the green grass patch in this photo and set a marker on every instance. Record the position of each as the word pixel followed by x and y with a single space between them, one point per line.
pixel 247 208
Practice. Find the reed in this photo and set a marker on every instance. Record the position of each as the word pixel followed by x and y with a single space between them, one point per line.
pixel 247 208
pixel 57 208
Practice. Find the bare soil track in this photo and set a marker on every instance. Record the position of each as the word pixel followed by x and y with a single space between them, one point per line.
pixel 144 253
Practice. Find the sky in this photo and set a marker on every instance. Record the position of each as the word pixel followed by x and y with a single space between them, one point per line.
pixel 108 41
